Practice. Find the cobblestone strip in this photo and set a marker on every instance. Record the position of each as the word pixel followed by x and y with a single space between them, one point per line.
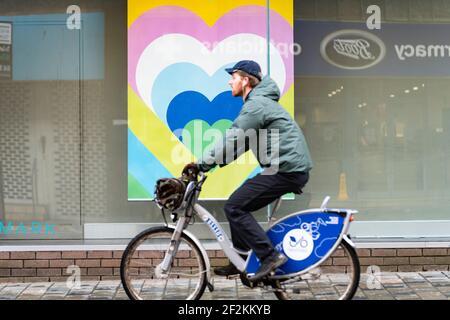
pixel 12 291
pixel 387 286
pixel 105 290
pixel 34 291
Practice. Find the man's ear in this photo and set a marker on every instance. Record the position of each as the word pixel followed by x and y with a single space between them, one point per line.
pixel 247 81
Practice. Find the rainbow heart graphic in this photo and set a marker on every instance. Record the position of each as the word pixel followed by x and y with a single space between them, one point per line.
pixel 177 81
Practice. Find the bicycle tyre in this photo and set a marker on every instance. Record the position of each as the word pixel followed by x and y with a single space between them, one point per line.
pixel 153 248
pixel 350 289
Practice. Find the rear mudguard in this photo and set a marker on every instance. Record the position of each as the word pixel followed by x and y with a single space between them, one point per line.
pixel 307 238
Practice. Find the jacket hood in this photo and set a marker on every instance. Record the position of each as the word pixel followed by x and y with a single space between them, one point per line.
pixel 266 88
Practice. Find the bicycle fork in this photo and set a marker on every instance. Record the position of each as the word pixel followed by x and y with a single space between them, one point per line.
pixel 163 268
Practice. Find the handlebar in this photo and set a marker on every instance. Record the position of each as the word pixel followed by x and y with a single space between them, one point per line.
pixel 197 186
pixel 203 178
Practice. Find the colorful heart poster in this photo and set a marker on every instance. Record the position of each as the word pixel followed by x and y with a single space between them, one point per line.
pixel 178 89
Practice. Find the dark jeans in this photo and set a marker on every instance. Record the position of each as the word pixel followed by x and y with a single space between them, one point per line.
pixel 253 195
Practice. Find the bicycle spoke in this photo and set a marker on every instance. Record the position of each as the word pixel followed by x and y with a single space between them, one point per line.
pixel 165 288
pixel 327 281
pixel 186 278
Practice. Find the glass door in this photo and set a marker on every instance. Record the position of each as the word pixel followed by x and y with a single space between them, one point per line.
pixel 40 130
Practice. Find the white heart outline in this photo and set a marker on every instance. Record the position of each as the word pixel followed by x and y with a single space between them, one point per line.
pixel 175 48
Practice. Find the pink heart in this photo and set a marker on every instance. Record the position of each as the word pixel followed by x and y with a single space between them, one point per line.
pixel 171 19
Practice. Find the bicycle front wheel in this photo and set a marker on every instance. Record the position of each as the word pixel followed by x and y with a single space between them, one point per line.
pixel 337 278
pixel 140 268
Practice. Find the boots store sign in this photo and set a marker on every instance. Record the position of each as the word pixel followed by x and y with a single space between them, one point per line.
pixel 352 49
pixel 349 49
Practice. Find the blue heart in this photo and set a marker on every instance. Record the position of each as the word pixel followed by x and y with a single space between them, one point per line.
pixel 183 77
pixel 191 105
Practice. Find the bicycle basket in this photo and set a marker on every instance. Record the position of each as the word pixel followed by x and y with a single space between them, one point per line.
pixel 169 193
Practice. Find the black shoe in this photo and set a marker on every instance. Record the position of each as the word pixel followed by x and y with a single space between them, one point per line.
pixel 268 265
pixel 226 271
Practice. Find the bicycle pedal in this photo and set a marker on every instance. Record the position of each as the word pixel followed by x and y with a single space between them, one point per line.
pixel 233 277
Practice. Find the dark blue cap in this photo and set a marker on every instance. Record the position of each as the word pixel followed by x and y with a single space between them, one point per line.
pixel 249 66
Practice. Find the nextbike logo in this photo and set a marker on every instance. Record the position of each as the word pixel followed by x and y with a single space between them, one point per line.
pixel 352 49
pixel 215 229
pixel 35 228
pixel 298 244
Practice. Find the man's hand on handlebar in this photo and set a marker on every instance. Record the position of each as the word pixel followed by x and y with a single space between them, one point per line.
pixel 191 172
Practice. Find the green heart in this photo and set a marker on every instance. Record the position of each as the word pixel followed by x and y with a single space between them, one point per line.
pixel 198 135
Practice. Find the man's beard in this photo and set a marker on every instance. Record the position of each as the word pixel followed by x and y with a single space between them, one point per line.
pixel 238 94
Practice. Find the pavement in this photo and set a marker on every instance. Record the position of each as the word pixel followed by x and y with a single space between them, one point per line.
pixel 383 286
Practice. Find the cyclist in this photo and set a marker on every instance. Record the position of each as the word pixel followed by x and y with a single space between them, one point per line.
pixel 285 170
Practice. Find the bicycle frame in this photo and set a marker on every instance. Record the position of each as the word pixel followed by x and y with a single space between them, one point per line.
pixel 192 207
pixel 191 196
pixel 222 238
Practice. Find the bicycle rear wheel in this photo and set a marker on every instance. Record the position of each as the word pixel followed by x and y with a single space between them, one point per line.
pixel 186 279
pixel 337 278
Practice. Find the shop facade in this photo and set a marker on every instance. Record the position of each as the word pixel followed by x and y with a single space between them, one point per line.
pixel 373 104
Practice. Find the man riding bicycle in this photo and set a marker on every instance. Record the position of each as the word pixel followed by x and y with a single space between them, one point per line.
pixel 292 163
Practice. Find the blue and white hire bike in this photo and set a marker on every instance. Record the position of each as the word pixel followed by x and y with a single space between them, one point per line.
pixel 168 262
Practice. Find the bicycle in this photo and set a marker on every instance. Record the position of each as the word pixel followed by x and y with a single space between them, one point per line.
pixel 169 262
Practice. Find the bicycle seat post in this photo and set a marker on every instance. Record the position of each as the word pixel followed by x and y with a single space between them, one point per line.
pixel 271 213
